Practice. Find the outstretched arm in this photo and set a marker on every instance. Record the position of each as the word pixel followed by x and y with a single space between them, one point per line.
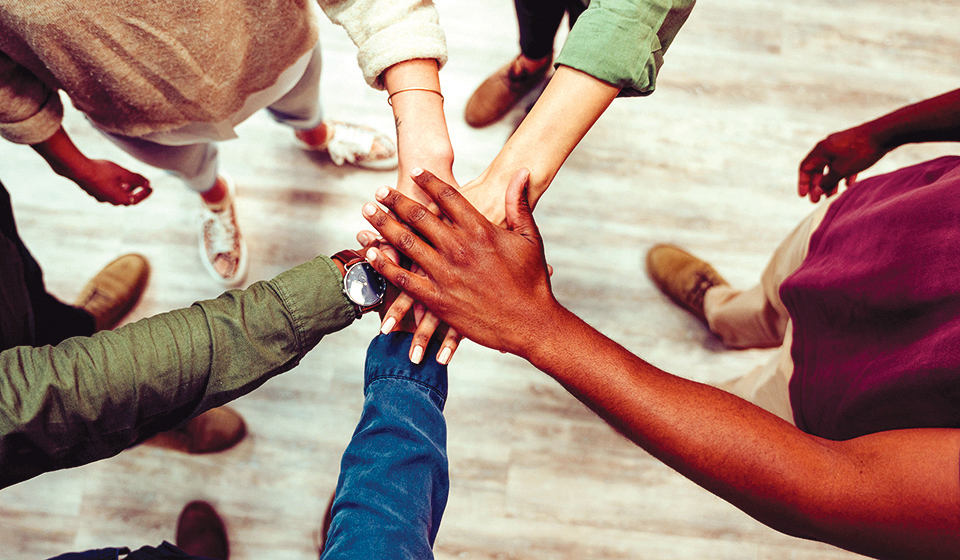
pixel 89 398
pixel 890 495
pixel 394 478
pixel 844 154
pixel 103 180
pixel 565 112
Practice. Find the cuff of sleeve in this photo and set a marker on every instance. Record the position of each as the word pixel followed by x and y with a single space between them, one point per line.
pixel 313 294
pixel 614 48
pixel 387 357
pixel 39 126
pixel 409 40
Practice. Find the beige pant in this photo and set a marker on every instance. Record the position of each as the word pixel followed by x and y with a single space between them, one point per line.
pixel 756 318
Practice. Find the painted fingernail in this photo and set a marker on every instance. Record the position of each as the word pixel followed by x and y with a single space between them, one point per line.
pixel 371 255
pixel 417 354
pixel 387 325
pixel 382 192
pixel 369 209
pixel 416 171
pixel 444 357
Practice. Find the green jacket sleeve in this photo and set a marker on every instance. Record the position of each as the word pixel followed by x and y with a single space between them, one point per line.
pixel 622 42
pixel 89 398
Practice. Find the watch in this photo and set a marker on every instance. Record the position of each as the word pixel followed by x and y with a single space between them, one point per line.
pixel 362 284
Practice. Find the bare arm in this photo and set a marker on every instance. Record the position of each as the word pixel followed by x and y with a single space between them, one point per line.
pixel 101 179
pixel 844 154
pixel 565 112
pixel 890 495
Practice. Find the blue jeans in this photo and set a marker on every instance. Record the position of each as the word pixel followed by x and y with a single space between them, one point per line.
pixel 394 479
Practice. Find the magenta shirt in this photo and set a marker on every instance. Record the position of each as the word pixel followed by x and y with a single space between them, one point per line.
pixel 876 308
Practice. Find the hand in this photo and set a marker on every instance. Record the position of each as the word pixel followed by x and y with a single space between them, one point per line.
pixel 841 155
pixel 489 283
pixel 108 182
pixel 396 314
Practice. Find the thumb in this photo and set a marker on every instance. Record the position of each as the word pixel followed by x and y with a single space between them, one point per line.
pixel 519 214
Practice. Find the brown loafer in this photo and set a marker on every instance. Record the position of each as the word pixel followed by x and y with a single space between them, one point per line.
pixel 217 429
pixel 115 290
pixel 682 276
pixel 501 91
pixel 200 532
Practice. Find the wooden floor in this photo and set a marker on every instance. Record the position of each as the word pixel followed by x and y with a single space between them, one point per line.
pixel 709 162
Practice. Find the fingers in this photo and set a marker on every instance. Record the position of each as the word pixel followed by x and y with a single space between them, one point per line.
pixel 422 336
pixel 519 214
pixel 396 234
pixel 449 200
pixel 396 312
pixel 450 344
pixel 417 286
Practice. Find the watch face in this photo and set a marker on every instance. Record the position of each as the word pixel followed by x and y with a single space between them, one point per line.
pixel 364 285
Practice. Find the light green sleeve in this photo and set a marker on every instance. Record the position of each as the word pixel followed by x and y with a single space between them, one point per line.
pixel 622 42
pixel 92 397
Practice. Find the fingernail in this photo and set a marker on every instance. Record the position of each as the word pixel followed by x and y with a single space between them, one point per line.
pixel 416 171
pixel 371 255
pixel 417 354
pixel 369 209
pixel 444 357
pixel 387 325
pixel 382 192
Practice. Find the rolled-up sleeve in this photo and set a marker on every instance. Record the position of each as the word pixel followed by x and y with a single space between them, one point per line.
pixel 388 32
pixel 30 112
pixel 622 42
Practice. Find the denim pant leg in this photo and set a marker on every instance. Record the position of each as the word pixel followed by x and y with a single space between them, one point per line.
pixel 29 315
pixel 539 21
pixel 394 478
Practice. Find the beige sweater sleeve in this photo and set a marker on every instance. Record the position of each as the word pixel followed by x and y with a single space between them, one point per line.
pixel 30 112
pixel 387 32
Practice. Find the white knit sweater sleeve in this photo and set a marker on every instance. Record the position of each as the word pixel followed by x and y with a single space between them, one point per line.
pixel 30 112
pixel 389 31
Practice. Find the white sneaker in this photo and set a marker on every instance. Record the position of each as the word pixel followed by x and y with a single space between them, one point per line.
pixel 356 144
pixel 222 249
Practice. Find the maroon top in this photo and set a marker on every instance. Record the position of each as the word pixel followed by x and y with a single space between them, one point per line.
pixel 876 308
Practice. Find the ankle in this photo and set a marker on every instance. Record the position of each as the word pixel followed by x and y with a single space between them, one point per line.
pixel 316 136
pixel 530 65
pixel 216 194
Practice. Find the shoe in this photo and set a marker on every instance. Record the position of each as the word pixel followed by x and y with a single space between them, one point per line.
pixel 682 276
pixel 501 91
pixel 200 532
pixel 353 143
pixel 222 249
pixel 115 290
pixel 217 429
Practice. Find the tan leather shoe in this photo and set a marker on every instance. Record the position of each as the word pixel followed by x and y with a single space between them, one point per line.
pixel 682 276
pixel 115 290
pixel 201 532
pixel 501 91
pixel 217 429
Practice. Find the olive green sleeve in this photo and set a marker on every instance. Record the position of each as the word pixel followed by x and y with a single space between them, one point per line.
pixel 91 397
pixel 622 42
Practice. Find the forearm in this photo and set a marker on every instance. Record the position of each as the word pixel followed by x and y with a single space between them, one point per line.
pixel 63 156
pixel 394 478
pixel 567 109
pixel 417 102
pixel 933 120
pixel 91 397
pixel 891 495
